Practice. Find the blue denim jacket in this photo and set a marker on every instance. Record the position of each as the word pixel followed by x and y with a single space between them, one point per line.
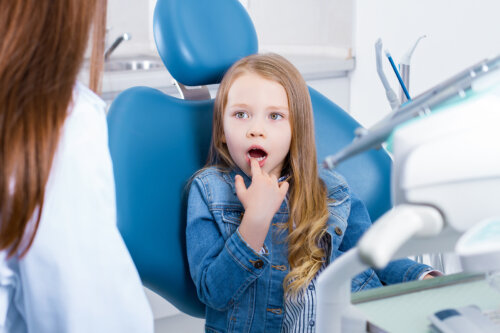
pixel 243 290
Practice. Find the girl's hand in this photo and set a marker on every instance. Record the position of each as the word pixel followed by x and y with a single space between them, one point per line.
pixel 264 196
pixel 261 200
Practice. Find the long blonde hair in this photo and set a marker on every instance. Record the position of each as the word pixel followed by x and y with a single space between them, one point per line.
pixel 307 194
pixel 42 46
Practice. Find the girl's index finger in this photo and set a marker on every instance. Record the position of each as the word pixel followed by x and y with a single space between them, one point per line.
pixel 255 167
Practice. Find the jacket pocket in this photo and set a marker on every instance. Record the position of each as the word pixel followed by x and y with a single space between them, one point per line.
pixel 339 205
pixel 338 195
pixel 232 220
pixel 336 228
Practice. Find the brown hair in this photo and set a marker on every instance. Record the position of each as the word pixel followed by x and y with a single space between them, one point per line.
pixel 41 51
pixel 307 194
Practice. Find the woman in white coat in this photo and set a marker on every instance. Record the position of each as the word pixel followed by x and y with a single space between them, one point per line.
pixel 63 265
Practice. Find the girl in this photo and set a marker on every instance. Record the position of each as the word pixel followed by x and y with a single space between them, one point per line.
pixel 63 264
pixel 263 221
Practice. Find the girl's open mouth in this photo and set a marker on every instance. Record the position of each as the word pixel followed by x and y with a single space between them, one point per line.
pixel 258 153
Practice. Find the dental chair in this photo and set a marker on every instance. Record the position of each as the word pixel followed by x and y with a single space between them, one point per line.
pixel 158 141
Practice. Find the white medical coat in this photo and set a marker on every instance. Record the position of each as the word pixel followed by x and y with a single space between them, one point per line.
pixel 78 275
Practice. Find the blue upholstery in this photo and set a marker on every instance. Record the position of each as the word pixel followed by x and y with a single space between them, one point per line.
pixel 368 174
pixel 199 40
pixel 157 141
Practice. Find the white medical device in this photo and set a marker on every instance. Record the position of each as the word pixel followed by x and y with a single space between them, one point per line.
pixel 445 179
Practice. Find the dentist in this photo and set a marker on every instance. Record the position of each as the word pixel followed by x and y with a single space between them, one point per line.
pixel 63 265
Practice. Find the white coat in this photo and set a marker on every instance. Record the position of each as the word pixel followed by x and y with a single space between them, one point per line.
pixel 78 275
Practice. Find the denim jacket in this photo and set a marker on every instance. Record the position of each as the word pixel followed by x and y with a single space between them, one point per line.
pixel 243 289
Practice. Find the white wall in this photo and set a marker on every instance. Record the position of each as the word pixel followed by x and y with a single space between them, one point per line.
pixel 315 26
pixel 307 27
pixel 134 17
pixel 459 33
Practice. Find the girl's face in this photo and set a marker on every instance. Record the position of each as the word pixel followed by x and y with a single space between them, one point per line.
pixel 256 123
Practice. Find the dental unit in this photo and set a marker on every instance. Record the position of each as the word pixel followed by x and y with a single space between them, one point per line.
pixel 445 181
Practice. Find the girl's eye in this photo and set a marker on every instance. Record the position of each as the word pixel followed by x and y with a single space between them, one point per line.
pixel 241 115
pixel 276 116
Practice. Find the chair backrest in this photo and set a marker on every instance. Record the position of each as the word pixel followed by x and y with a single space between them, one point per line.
pixel 157 141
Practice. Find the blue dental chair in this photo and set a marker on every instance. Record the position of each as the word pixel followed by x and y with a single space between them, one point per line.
pixel 158 141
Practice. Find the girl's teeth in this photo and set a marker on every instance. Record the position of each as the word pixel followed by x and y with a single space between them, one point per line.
pixel 258 158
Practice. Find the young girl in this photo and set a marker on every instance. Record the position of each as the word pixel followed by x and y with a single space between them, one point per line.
pixel 263 221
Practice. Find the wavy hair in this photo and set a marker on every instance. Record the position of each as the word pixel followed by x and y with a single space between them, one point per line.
pixel 307 193
pixel 42 46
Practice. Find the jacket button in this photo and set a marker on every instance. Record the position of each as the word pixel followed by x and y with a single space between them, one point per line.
pixel 258 264
pixel 338 231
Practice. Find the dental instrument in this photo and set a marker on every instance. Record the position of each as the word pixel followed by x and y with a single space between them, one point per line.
pixel 391 95
pixel 404 67
pixel 396 71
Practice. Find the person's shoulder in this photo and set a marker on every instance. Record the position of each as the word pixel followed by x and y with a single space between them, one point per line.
pixel 333 180
pixel 216 183
pixel 85 99
pixel 207 172
pixel 212 175
pixel 86 115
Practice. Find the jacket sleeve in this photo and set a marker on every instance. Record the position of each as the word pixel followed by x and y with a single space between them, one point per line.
pixel 221 269
pixel 396 271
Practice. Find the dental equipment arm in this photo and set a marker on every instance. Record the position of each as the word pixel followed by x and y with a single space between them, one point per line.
pixel 420 105
pixel 380 244
pixel 335 312
pixel 385 238
pixel 391 95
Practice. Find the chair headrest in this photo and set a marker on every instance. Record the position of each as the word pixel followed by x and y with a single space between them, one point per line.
pixel 198 40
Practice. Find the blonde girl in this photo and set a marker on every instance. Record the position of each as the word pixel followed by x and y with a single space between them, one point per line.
pixel 263 219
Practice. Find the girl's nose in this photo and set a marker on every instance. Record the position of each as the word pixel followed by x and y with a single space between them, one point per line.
pixel 256 130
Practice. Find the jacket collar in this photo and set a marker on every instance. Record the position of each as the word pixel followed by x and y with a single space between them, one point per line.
pixel 229 178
